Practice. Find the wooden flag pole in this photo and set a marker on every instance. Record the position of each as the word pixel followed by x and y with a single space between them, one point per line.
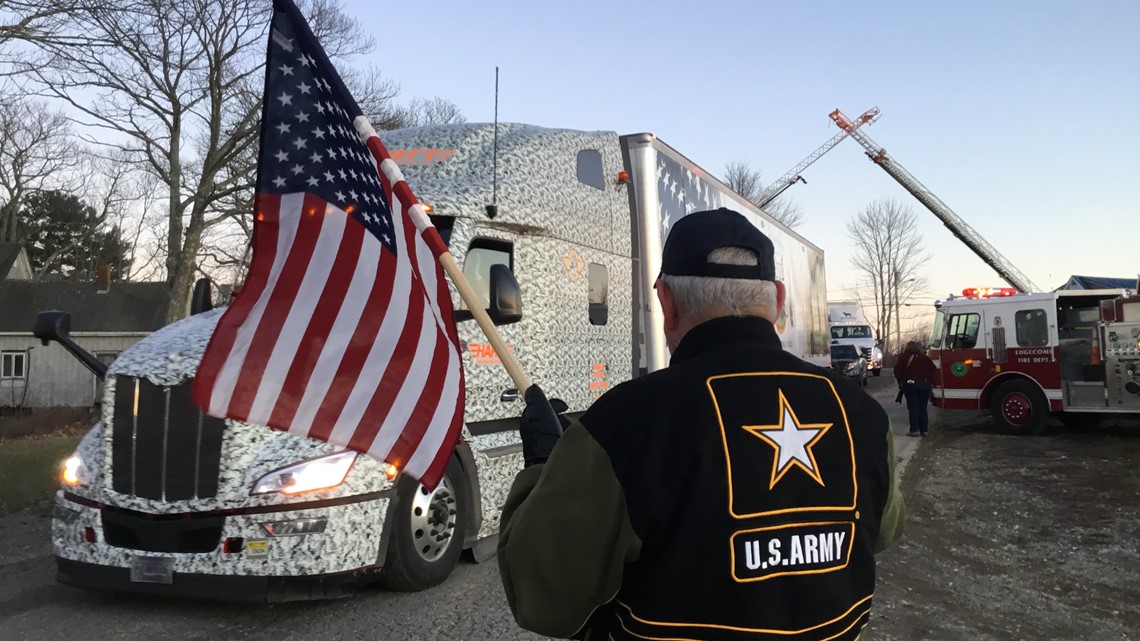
pixel 476 306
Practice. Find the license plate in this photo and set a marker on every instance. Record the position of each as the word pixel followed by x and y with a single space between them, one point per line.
pixel 152 569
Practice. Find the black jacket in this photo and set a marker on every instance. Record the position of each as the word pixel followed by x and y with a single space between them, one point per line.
pixel 740 493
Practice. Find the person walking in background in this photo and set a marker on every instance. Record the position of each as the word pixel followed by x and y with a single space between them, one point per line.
pixel 914 372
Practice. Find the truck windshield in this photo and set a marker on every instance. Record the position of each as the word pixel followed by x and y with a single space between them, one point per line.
pixel 939 325
pixel 443 225
pixel 851 331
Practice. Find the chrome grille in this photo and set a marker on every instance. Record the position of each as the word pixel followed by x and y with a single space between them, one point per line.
pixel 162 446
pixel 866 352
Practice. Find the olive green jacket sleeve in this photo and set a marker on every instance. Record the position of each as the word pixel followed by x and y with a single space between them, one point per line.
pixel 894 514
pixel 565 537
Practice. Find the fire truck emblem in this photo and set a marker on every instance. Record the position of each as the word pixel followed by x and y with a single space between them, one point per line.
pixel 997 321
pixel 959 369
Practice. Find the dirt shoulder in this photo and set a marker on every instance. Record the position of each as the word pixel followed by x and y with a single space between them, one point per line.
pixel 1015 537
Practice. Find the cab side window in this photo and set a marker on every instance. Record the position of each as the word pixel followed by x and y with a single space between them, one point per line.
pixel 963 331
pixel 1032 327
pixel 599 288
pixel 589 169
pixel 482 254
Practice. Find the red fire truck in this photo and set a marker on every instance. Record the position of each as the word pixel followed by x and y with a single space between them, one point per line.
pixel 1073 353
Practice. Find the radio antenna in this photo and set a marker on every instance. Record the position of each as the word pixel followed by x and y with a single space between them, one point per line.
pixel 493 208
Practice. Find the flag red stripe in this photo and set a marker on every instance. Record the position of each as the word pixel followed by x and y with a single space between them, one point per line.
pixel 321 324
pixel 264 251
pixel 394 375
pixel 434 241
pixel 277 306
pixel 409 439
pixel 435 470
pixel 357 351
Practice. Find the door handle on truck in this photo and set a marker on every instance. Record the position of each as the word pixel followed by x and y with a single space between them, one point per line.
pixel 509 395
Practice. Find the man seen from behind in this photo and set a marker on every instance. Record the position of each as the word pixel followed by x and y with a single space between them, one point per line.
pixel 740 493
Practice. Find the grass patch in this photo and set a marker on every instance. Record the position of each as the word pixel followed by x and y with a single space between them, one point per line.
pixel 29 469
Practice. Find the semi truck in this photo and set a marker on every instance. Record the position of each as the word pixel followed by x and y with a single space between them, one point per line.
pixel 849 326
pixel 566 225
pixel 1071 353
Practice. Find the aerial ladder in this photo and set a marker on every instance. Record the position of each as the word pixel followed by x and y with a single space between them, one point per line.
pixel 773 191
pixel 953 221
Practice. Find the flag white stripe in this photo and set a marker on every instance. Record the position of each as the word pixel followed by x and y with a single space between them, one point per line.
pixel 427 262
pixel 342 333
pixel 377 361
pixel 419 372
pixel 289 219
pixel 440 422
pixel 292 335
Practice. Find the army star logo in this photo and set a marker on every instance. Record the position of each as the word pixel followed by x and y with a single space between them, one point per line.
pixel 792 442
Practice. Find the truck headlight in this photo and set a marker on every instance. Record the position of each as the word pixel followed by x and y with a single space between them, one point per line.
pixel 314 474
pixel 852 367
pixel 73 472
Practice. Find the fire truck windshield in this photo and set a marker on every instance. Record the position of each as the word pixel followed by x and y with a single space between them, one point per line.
pixel 939 326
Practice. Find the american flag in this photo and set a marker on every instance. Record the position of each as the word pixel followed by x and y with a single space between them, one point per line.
pixel 344 329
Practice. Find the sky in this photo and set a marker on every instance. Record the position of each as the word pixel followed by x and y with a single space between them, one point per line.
pixel 1021 116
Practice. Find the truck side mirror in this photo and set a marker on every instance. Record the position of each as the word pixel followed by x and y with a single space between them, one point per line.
pixel 54 325
pixel 506 298
pixel 202 299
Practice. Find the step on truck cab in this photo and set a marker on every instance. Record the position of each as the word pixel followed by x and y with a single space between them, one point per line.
pixel 1072 353
pixel 160 498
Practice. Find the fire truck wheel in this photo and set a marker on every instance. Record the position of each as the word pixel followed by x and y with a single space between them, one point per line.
pixel 1019 407
pixel 428 532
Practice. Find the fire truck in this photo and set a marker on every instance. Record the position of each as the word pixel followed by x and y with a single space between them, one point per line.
pixel 1072 353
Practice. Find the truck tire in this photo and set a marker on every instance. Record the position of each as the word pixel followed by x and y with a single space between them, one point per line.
pixel 1019 407
pixel 878 371
pixel 428 531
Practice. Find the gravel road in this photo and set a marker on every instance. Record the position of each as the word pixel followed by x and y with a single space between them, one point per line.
pixel 1007 538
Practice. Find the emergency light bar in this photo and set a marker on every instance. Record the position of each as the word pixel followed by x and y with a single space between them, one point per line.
pixel 988 292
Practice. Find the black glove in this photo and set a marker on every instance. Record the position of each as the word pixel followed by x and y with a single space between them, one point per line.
pixel 539 427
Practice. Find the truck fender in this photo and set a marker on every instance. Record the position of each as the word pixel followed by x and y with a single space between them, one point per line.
pixel 475 519
pixel 987 392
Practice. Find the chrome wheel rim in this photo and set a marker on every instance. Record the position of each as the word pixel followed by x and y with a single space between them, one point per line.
pixel 433 520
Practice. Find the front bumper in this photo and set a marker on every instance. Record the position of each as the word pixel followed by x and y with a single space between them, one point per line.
pixel 257 589
pixel 225 554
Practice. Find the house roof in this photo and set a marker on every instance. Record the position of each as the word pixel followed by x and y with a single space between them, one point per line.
pixel 126 307
pixel 9 255
pixel 1098 282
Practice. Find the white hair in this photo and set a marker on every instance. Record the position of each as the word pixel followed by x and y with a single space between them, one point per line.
pixel 699 298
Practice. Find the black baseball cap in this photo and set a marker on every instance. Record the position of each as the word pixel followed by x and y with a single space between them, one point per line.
pixel 693 237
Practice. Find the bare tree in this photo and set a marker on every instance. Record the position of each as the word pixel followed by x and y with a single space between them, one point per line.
pixel 37 151
pixel 436 111
pixel 888 252
pixel 30 20
pixel 175 87
pixel 748 182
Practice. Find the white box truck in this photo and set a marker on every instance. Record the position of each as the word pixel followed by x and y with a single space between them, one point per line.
pixel 849 326
pixel 160 498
